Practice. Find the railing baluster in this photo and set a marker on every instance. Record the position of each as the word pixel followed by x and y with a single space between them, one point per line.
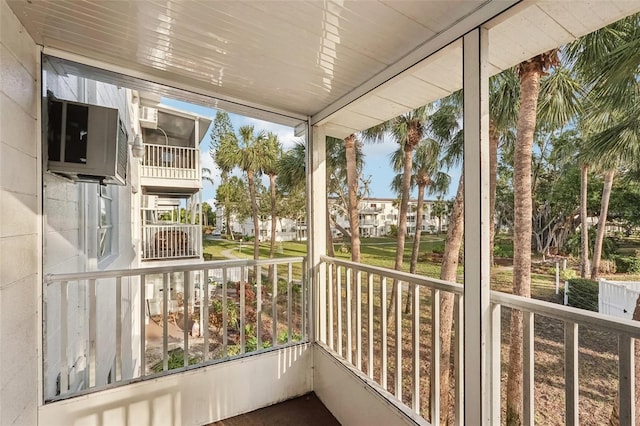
pixel 165 321
pixel 528 336
pixel 626 380
pixel 64 322
pixel 571 372
pixel 306 313
pixel 259 307
pixel 348 308
pixel 458 361
pixel 118 372
pixel 370 325
pixel 496 327
pixel 339 308
pixel 274 306
pixel 93 332
pixel 435 356
pixel 289 306
pixel 185 315
pixel 398 320
pixel 204 314
pixel 143 328
pixel 359 320
pixel 415 324
pixel 241 295
pixel 331 325
pixel 383 331
pixel 224 313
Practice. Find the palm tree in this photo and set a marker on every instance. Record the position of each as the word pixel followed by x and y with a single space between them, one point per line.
pixel 407 130
pixel 530 72
pixel 249 153
pixel 607 59
pixel 503 113
pixel 427 173
pixel 223 137
pixel 351 144
pixel 270 167
pixel 438 210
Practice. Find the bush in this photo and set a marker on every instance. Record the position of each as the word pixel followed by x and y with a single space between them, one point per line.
pixel 176 360
pixel 628 264
pixel 583 294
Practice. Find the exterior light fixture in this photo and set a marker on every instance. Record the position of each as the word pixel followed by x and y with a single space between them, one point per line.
pixel 137 148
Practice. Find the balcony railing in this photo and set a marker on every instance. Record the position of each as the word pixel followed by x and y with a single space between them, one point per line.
pixel 401 354
pixel 160 242
pixel 109 328
pixel 171 162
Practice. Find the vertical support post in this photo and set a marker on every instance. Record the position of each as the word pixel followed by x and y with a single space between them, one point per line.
pixel 274 306
pixel 398 323
pixel 259 307
pixel 317 228
pixel 349 305
pixel 571 372
pixel 435 356
pixel 339 309
pixel 383 332
pixel 224 313
pixel 143 328
pixel 244 273
pixel 496 330
pixel 289 304
pixel 93 333
pixel 186 279
pixel 477 310
pixel 118 370
pixel 626 379
pixel 527 368
pixel 64 324
pixel 204 314
pixel 459 364
pixel 370 325
pixel 165 321
pixel 359 320
pixel 415 332
pixel 330 271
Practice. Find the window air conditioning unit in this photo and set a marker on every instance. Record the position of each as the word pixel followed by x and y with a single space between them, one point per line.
pixel 86 143
pixel 148 118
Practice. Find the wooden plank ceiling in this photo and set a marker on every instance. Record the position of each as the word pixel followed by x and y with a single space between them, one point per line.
pixel 346 64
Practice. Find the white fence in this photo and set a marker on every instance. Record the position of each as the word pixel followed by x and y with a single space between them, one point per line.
pixel 618 298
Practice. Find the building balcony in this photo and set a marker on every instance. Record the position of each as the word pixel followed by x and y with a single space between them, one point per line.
pixel 171 169
pixel 175 241
pixel 285 335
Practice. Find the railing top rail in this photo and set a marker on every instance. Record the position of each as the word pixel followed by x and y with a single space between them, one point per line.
pixel 170 146
pixel 568 313
pixel 398 275
pixel 209 265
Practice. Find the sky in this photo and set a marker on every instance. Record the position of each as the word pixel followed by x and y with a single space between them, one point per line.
pixel 376 160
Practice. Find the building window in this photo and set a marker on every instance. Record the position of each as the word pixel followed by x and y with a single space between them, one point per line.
pixel 105 221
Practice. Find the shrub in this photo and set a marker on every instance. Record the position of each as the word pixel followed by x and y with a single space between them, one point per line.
pixel 628 264
pixel 583 294
pixel 176 360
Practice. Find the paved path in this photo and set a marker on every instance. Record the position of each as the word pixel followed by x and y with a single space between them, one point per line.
pixel 229 254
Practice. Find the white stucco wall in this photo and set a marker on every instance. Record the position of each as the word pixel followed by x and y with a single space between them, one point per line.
pixel 71 245
pixel 19 223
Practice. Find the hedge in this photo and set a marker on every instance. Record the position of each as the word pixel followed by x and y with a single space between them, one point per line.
pixel 583 294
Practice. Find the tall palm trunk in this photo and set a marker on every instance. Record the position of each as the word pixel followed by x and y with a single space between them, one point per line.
pixel 602 223
pixel 449 273
pixel 584 225
pixel 493 171
pixel 530 73
pixel 415 250
pixel 254 214
pixel 272 190
pixel 352 184
pixel 402 220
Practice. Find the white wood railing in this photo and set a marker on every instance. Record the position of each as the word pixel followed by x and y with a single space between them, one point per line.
pixel 358 330
pixel 171 162
pixel 171 241
pixel 236 308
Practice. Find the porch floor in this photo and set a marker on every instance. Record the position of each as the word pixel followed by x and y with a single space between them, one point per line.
pixel 306 410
